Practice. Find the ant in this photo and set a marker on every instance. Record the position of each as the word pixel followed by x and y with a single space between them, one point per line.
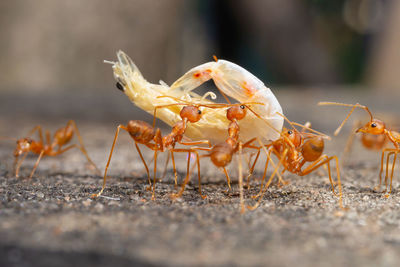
pixel 378 128
pixel 221 154
pixel 143 133
pixel 294 149
pixel 51 148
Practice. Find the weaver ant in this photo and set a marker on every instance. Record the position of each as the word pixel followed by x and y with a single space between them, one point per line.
pixel 221 154
pixel 145 134
pixel 294 149
pixel 378 128
pixel 51 148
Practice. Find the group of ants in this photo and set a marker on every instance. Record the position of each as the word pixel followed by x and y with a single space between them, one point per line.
pixel 294 148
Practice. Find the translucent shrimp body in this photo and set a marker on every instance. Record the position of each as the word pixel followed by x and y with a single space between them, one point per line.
pixel 214 123
pixel 238 83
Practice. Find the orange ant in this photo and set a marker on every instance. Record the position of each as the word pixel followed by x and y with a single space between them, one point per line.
pixel 294 149
pixel 61 137
pixel 221 154
pixel 378 128
pixel 145 134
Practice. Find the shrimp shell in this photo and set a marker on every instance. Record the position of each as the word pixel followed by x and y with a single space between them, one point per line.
pixel 230 78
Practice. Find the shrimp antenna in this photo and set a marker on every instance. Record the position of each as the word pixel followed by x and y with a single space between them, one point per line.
pixel 209 93
pixel 348 115
pixel 215 58
pixel 109 62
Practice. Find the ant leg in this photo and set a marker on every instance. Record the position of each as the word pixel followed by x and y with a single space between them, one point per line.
pixel 391 151
pixel 198 173
pixel 264 174
pixel 242 208
pixel 276 171
pixel 145 165
pixel 37 163
pixel 189 151
pixel 48 139
pixel 108 162
pixel 381 170
pixel 82 147
pixel 196 143
pixel 228 181
pixel 387 169
pixel 17 164
pixel 165 166
pixel 174 168
pixel 251 169
pixel 179 194
pixel 391 175
pixel 155 174
pixel 378 187
pixel 326 160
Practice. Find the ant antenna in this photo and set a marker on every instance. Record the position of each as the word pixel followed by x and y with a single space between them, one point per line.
pixel 348 115
pixel 312 130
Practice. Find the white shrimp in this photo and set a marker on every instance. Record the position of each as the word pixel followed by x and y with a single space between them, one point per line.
pixel 230 78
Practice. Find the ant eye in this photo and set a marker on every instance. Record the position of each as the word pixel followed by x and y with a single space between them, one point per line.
pixel 242 106
pixel 199 111
pixel 373 125
pixel 120 87
pixel 290 132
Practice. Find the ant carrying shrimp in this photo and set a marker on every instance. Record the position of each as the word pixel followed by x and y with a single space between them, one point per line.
pixel 51 148
pixel 143 133
pixel 221 154
pixel 294 149
pixel 231 79
pixel 378 128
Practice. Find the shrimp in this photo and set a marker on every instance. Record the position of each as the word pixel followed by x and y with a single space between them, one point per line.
pixel 230 79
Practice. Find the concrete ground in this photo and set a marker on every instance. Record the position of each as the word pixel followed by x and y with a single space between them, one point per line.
pixel 51 221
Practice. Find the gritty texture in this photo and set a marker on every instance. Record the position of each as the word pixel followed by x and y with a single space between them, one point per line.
pixel 50 220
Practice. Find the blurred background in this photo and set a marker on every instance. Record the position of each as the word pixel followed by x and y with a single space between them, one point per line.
pixel 51 46
pixel 52 70
pixel 52 52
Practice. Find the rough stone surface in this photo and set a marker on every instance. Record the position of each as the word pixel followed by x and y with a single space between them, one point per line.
pixel 50 220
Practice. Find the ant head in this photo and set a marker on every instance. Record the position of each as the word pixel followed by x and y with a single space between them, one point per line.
pixel 236 112
pixel 23 145
pixel 191 113
pixel 293 135
pixel 373 127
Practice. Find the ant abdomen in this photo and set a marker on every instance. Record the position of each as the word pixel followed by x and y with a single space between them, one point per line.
pixel 141 131
pixel 373 141
pixel 63 135
pixel 221 154
pixel 313 148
